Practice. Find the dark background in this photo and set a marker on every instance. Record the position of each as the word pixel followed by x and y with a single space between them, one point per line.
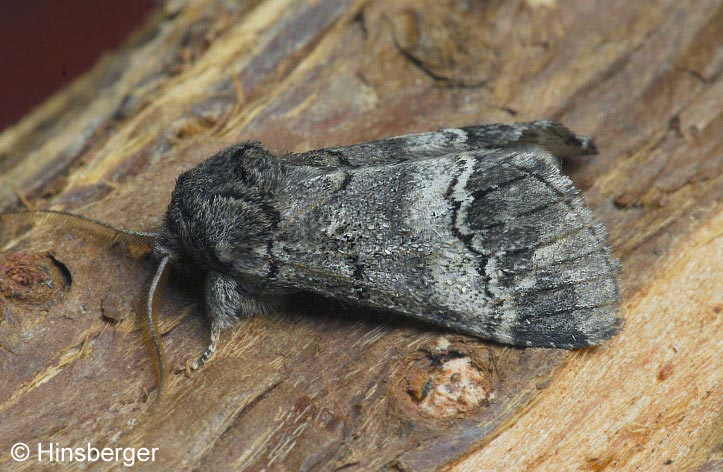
pixel 44 44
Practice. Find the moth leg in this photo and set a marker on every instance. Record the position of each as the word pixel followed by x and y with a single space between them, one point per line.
pixel 227 301
pixel 210 350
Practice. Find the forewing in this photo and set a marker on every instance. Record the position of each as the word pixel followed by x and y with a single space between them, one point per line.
pixel 547 135
pixel 497 244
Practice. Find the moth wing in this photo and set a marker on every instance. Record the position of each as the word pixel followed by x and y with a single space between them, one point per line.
pixel 493 243
pixel 550 269
pixel 548 135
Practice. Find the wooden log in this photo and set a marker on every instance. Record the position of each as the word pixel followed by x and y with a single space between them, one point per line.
pixel 322 387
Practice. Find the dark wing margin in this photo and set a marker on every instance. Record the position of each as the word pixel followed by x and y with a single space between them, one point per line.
pixel 555 280
pixel 548 135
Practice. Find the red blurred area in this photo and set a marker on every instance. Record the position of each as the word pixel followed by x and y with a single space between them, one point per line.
pixel 44 44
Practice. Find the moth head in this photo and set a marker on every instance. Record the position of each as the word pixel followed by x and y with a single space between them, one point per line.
pixel 219 218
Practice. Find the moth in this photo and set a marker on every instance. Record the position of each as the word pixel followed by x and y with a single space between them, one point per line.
pixel 473 229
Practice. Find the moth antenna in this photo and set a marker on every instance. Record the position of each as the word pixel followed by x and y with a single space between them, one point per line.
pixel 151 332
pixel 105 231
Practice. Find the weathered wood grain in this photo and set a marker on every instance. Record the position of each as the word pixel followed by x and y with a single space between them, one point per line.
pixel 323 387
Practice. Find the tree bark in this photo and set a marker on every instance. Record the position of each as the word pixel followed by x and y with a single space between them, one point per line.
pixel 323 387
